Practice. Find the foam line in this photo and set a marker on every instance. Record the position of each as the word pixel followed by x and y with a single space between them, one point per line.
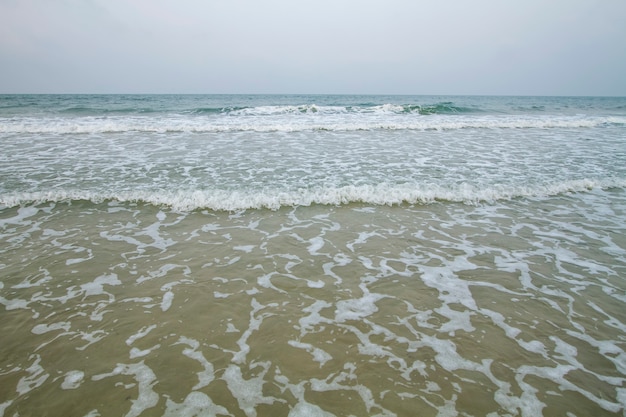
pixel 381 194
pixel 337 122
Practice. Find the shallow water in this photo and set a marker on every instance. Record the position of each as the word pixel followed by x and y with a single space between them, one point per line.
pixel 508 308
pixel 242 152
pixel 312 255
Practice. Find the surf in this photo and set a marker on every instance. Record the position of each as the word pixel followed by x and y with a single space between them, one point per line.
pixel 383 194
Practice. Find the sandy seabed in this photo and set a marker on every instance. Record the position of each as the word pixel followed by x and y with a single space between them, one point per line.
pixel 514 308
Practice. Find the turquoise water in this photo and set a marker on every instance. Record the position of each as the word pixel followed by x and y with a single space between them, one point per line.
pixel 312 255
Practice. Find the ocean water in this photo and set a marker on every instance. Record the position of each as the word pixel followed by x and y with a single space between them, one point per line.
pixel 204 255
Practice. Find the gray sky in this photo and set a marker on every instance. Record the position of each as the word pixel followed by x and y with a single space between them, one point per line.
pixel 530 47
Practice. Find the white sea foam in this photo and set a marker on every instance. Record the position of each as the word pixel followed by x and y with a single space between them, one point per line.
pixel 318 354
pixel 141 333
pixel 382 194
pixel 356 309
pixel 146 379
pixel 195 404
pixel 304 409
pixel 22 214
pixel 192 351
pixel 4 406
pixel 256 318
pixel 96 287
pixel 166 303
pixel 343 381
pixel 45 328
pixel 257 120
pixel 36 376
pixel 91 338
pixel 34 280
pixel 138 353
pixel 316 244
pixel 245 248
pixel 73 379
pixel 288 110
pixel 248 392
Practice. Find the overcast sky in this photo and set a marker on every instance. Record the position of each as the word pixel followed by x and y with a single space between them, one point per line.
pixel 530 47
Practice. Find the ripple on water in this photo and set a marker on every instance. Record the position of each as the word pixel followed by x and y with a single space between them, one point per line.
pixel 514 308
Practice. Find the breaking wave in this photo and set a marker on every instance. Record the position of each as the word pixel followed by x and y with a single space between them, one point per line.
pixel 99 125
pixel 381 194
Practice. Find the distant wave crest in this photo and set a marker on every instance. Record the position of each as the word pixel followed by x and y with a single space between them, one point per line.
pixel 268 110
pixel 438 108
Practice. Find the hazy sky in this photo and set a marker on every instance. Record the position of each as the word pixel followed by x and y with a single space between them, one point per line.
pixel 543 47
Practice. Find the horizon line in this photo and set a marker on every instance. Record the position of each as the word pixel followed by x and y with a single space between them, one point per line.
pixel 311 94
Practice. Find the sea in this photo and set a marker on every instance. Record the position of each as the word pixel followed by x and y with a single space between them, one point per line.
pixel 312 255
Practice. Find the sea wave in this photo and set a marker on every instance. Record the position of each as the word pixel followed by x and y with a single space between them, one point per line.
pixel 95 111
pixel 130 107
pixel 100 125
pixel 286 110
pixel 388 108
pixel 213 110
pixel 380 194
pixel 440 108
